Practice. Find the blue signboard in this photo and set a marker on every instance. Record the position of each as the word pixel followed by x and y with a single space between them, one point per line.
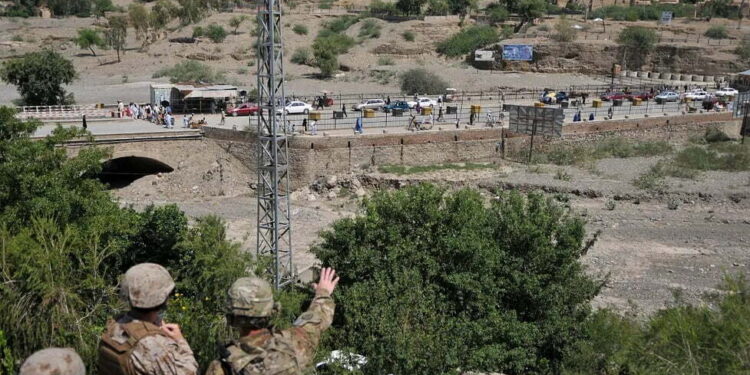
pixel 518 52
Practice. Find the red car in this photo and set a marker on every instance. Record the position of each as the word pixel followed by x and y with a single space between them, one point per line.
pixel 641 95
pixel 246 109
pixel 614 96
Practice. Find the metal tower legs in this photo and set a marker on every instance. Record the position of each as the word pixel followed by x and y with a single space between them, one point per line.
pixel 274 226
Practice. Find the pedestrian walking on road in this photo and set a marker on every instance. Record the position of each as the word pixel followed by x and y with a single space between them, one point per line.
pixel 388 100
pixel 358 129
pixel 304 125
pixel 440 114
pixel 471 118
pixel 223 119
pixel 343 110
pixel 84 123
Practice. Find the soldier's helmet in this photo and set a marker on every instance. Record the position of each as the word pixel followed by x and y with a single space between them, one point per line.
pixel 251 297
pixel 53 361
pixel 147 285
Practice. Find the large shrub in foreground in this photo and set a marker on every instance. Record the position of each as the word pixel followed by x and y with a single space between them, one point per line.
pixel 432 282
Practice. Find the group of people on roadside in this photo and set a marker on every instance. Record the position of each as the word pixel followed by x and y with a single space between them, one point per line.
pixel 141 342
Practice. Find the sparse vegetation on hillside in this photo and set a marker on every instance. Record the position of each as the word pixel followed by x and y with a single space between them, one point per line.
pixel 379 7
pixel 564 31
pixel 39 77
pixel 216 33
pixel 369 29
pixel 497 13
pixel 116 33
pixel 303 56
pixel 331 42
pixel 300 29
pixel 408 36
pixel 643 12
pixel 235 23
pixel 191 71
pixel 743 49
pixel 717 32
pixel 420 81
pixel 468 40
pixel 617 147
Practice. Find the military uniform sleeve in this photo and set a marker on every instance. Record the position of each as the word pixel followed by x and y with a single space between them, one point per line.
pixel 160 355
pixel 310 325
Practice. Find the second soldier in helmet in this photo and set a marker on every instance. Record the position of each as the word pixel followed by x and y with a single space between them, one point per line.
pixel 262 349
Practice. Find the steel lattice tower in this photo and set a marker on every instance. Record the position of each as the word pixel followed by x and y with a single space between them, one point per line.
pixel 274 224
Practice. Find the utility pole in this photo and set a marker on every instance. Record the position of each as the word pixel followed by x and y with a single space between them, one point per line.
pixel 274 221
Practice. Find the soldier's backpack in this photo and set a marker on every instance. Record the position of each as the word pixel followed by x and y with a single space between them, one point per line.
pixel 114 357
pixel 247 356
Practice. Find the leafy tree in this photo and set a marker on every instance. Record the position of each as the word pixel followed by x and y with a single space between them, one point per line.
pixel 103 6
pixel 420 81
pixel 327 61
pixel 161 14
pixel 39 77
pixel 327 47
pixel 138 16
pixel 88 38
pixel 300 29
pixel 216 33
pixel 528 10
pixel 427 275
pixel 438 7
pixel 303 56
pixel 81 8
pixel 636 42
pixel 462 7
pixel 116 33
pixel 409 7
pixel 497 13
pixel 235 23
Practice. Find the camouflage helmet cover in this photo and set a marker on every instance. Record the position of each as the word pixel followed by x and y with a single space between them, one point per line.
pixel 53 361
pixel 147 285
pixel 251 297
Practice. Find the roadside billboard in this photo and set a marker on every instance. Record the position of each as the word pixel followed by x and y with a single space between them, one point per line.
pixel 518 52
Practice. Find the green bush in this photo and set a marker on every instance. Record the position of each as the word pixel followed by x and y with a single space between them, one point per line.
pixel 300 29
pixel 714 135
pixel 438 7
pixel 420 81
pixel 385 60
pixel 468 40
pixel 408 36
pixel 643 12
pixel 340 24
pixel 677 340
pixel 717 32
pixel 303 56
pixel 369 29
pixel 429 274
pixel 216 33
pixel 198 32
pixel 190 71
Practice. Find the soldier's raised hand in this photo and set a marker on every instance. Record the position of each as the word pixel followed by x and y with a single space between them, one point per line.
pixel 327 282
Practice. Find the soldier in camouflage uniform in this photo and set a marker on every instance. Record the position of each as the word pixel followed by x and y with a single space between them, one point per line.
pixel 262 349
pixel 53 361
pixel 139 342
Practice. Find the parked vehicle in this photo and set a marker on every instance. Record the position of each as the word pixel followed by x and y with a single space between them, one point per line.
pixel 696 95
pixel 451 94
pixel 640 95
pixel 399 104
pixel 426 102
pixel 246 109
pixel 370 104
pixel 667 96
pixel 548 97
pixel 614 96
pixel 561 97
pixel 726 91
pixel 296 107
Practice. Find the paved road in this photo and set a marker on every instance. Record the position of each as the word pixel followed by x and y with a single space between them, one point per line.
pixel 120 127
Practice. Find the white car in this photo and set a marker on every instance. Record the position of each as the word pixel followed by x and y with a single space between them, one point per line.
pixel 296 107
pixel 727 91
pixel 696 95
pixel 426 102
pixel 370 104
